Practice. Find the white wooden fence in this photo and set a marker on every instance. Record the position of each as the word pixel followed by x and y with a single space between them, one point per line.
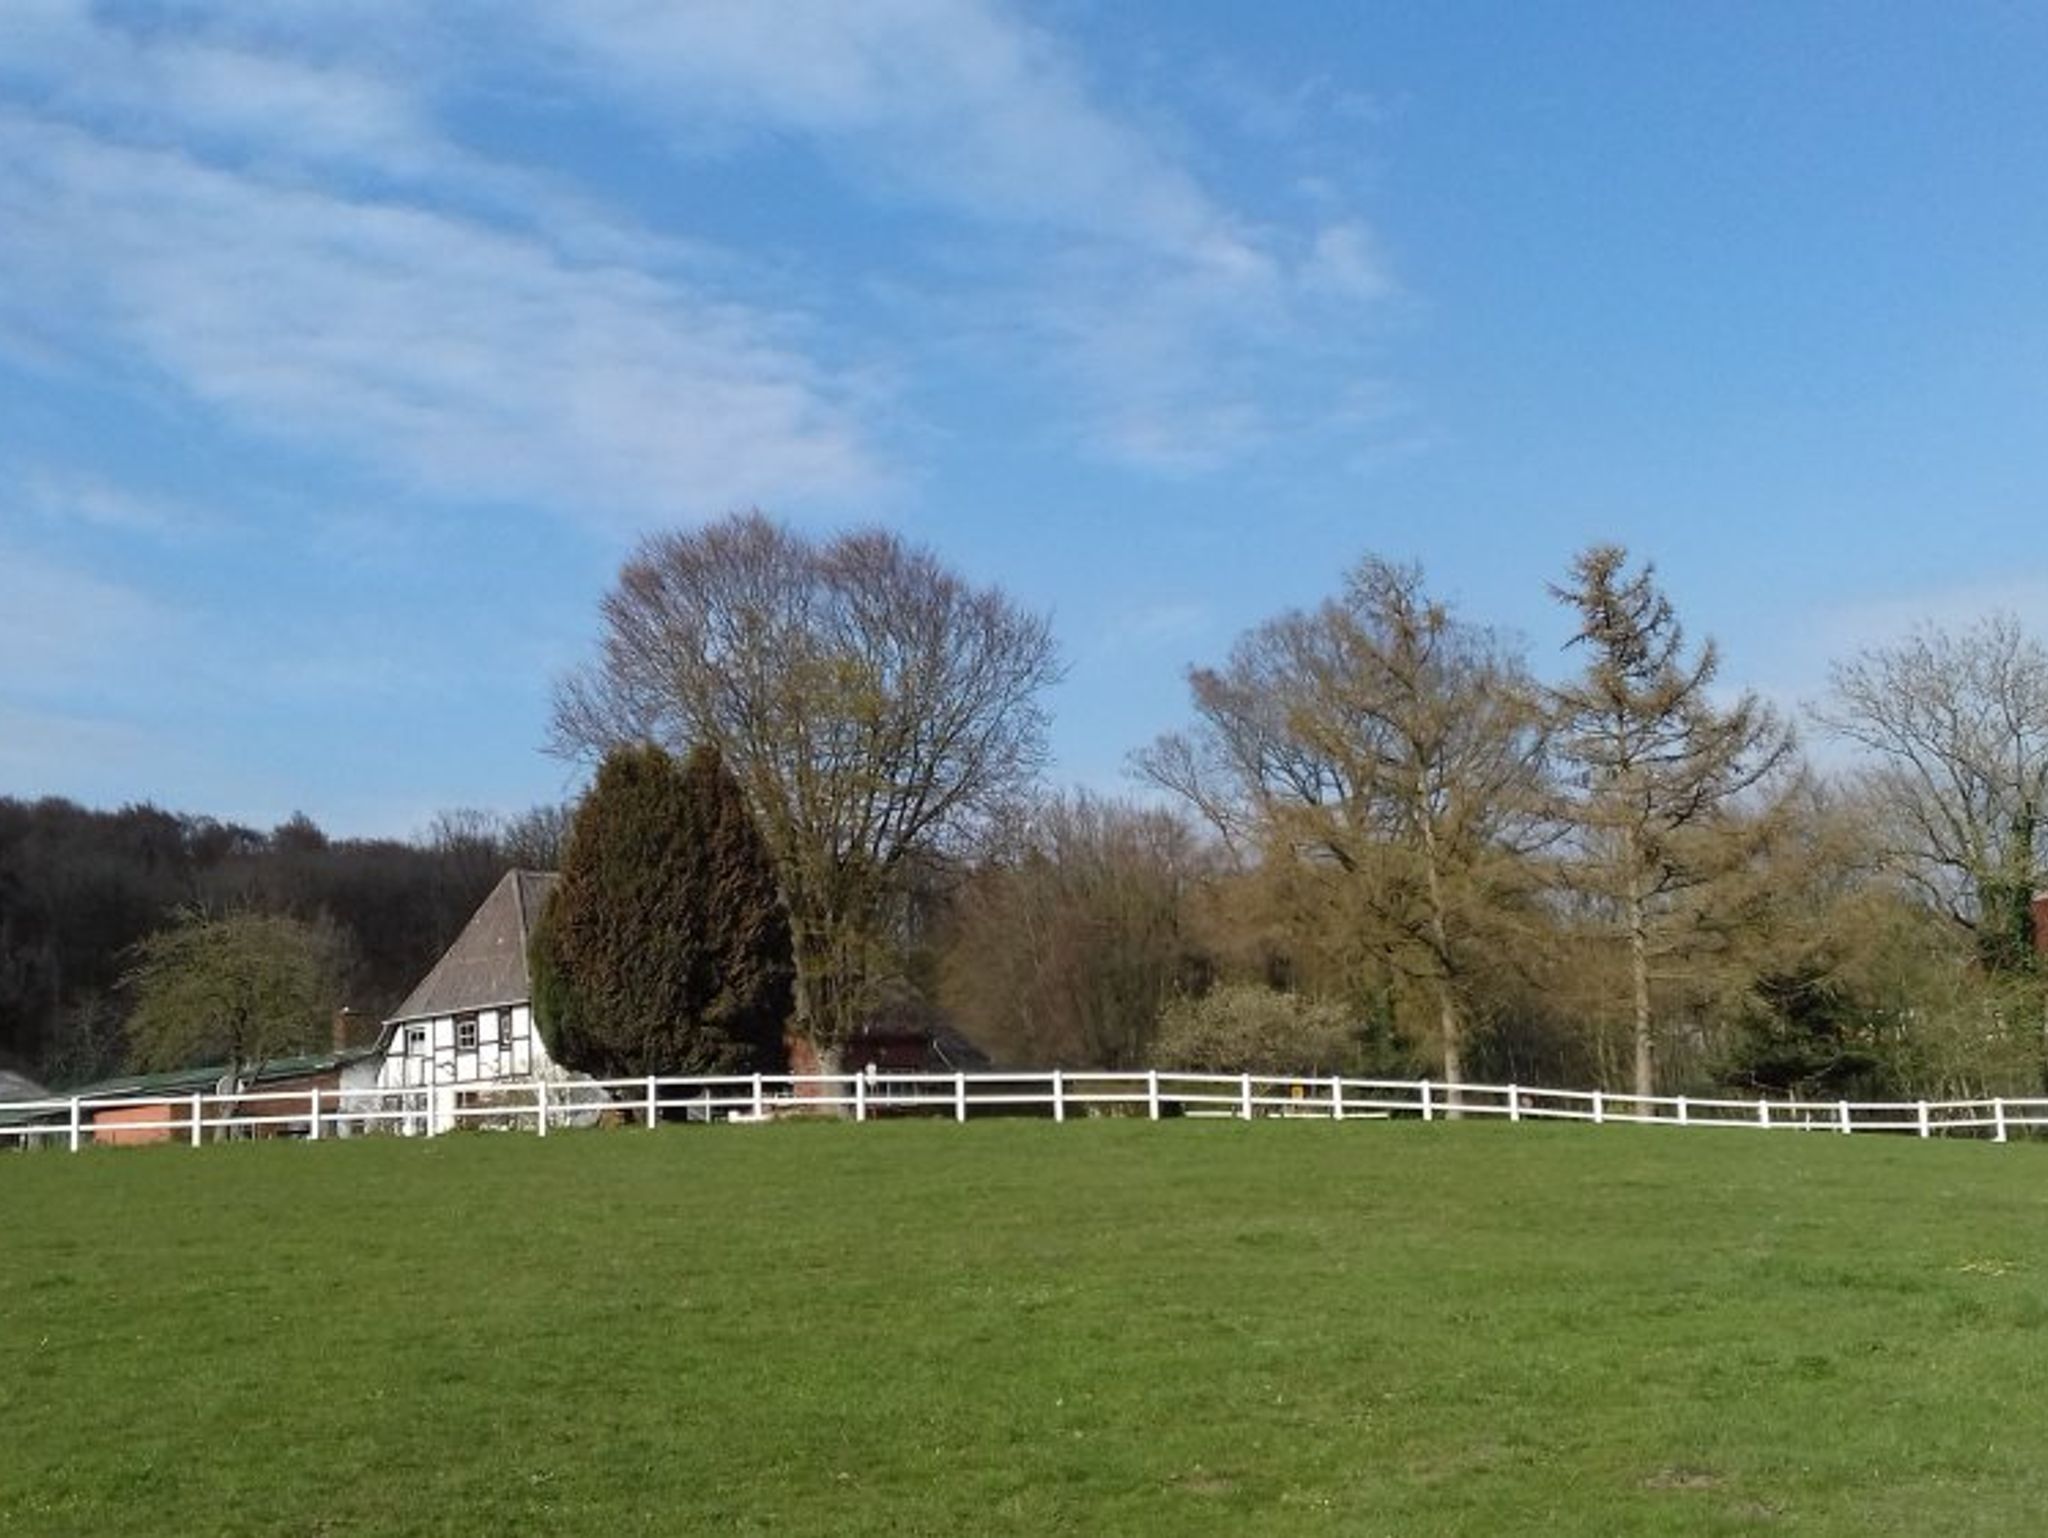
pixel 545 1106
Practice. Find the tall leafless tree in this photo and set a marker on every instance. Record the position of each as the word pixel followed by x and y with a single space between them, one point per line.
pixel 1658 772
pixel 874 706
pixel 1956 731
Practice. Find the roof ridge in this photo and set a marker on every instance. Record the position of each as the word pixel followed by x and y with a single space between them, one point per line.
pixel 518 879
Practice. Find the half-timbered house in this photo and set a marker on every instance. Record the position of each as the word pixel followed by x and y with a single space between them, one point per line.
pixel 470 1021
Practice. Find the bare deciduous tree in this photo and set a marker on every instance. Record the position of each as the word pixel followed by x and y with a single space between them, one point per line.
pixel 1659 772
pixel 1388 749
pixel 537 838
pixel 1957 728
pixel 1064 946
pixel 873 705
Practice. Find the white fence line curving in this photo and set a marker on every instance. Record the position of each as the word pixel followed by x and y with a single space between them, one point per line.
pixel 543 1106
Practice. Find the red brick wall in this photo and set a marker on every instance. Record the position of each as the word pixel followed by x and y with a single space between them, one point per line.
pixel 115 1127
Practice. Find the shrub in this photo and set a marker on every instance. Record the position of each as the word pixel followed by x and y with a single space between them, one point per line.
pixel 1248 1028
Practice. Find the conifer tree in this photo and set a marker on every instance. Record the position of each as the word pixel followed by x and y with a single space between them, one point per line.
pixel 1657 769
pixel 663 948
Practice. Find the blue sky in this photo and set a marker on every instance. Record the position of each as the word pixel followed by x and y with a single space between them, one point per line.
pixel 345 348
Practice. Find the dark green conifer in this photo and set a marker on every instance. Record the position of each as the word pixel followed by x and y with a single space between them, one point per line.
pixel 664 947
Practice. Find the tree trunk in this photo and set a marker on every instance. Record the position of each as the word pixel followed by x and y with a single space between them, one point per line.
pixel 1451 1025
pixel 817 997
pixel 1450 1022
pixel 1639 976
pixel 822 998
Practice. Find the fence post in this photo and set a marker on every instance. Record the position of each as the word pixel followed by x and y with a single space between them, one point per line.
pixel 1152 1093
pixel 1997 1121
pixel 1684 1112
pixel 314 1134
pixel 540 1105
pixel 860 1097
pixel 1336 1097
pixel 1842 1112
pixel 760 1105
pixel 198 1117
pixel 959 1096
pixel 76 1117
pixel 1059 1096
pixel 653 1096
pixel 1921 1107
pixel 1428 1103
pixel 1245 1097
pixel 1599 1109
pixel 1763 1113
pixel 1514 1103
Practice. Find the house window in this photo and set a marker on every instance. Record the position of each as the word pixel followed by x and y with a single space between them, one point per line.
pixel 416 1041
pixel 465 1033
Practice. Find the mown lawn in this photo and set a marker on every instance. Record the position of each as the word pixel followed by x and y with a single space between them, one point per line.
pixel 1106 1327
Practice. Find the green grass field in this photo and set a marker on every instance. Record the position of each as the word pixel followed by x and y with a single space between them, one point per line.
pixel 1016 1327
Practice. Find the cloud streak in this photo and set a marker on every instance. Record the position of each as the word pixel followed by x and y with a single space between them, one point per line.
pixel 229 216
pixel 68 628
pixel 957 102
pixel 84 500
pixel 271 209
pixel 468 361
pixel 1165 317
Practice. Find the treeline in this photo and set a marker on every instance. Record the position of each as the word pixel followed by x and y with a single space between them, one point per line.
pixel 1390 848
pixel 81 889
pixel 1382 843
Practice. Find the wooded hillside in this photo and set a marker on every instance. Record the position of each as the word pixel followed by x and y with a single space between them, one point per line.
pixel 80 888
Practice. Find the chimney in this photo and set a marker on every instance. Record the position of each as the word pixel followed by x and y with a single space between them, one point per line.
pixel 343 1028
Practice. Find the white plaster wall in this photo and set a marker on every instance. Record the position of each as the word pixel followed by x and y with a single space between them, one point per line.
pixel 425 1053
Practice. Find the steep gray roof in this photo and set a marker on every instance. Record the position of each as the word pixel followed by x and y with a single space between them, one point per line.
pixel 486 965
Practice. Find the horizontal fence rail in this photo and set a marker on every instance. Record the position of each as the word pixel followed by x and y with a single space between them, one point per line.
pixel 543 1106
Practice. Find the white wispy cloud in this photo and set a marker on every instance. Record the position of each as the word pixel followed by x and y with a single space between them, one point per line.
pixel 69 497
pixel 1163 314
pixel 267 205
pixel 464 359
pixel 1345 260
pixel 67 627
pixel 198 199
pixel 960 102
pixel 200 87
